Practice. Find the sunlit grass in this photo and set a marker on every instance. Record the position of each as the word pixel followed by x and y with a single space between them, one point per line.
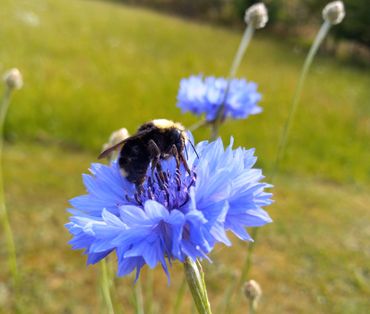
pixel 93 67
pixel 316 251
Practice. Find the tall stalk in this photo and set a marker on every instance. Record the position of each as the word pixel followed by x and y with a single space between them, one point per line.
pixel 13 80
pixel 333 13
pixel 107 283
pixel 256 17
pixel 105 286
pixel 297 94
pixel 244 43
pixel 195 278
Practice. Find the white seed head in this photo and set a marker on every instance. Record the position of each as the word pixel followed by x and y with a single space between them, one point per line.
pixel 334 12
pixel 115 138
pixel 256 15
pixel 118 136
pixel 13 79
pixel 253 292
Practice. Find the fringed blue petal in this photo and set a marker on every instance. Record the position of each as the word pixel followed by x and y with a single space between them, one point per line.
pixel 176 218
pixel 205 96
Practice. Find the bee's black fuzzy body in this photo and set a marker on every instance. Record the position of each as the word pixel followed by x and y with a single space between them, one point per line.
pixel 154 141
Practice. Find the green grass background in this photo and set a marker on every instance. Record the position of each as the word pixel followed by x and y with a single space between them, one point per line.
pixel 92 67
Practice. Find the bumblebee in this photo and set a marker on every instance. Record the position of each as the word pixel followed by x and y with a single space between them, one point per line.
pixel 154 141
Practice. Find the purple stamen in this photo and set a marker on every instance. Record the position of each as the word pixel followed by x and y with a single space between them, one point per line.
pixel 137 198
pixel 150 193
pixel 168 187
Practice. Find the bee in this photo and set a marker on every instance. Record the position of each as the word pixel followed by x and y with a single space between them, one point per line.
pixel 154 141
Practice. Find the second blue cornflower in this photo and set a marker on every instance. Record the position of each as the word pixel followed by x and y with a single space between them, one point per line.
pixel 206 95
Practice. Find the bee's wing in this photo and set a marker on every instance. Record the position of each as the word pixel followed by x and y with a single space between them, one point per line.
pixel 106 152
pixel 139 134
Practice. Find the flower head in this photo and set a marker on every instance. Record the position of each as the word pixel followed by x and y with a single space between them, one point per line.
pixel 174 214
pixel 13 79
pixel 205 96
pixel 334 12
pixel 252 290
pixel 256 15
pixel 115 138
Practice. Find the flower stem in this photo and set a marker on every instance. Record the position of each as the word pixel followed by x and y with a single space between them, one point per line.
pixel 106 286
pixel 251 308
pixel 230 305
pixel 12 258
pixel 149 300
pixel 247 36
pixel 195 279
pixel 106 278
pixel 226 305
pixel 197 125
pixel 283 140
pixel 138 294
pixel 180 297
pixel 248 260
pixel 287 126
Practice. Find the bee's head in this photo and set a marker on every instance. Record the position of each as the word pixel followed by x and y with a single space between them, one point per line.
pixel 179 137
pixel 175 131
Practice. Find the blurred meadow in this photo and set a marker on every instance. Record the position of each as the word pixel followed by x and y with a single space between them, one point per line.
pixel 92 67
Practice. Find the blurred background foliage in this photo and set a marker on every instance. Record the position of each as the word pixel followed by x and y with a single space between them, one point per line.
pixel 88 72
pixel 290 15
pixel 91 67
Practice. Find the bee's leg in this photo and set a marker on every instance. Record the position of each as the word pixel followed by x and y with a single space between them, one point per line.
pixel 183 160
pixel 139 188
pixel 180 158
pixel 155 155
pixel 160 172
pixel 175 154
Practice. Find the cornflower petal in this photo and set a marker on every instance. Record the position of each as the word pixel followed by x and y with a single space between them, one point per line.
pixel 184 216
pixel 205 96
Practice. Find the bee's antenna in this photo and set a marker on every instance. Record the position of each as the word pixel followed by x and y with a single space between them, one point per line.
pixel 192 145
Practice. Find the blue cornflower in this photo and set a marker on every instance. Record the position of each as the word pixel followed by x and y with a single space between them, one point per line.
pixel 205 96
pixel 174 214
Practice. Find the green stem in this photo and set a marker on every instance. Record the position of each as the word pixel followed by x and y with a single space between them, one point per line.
pixel 215 127
pixel 12 258
pixel 248 261
pixel 244 275
pixel 149 301
pixel 247 36
pixel 283 140
pixel 195 278
pixel 244 43
pixel 106 278
pixel 251 307
pixel 226 305
pixel 288 124
pixel 180 297
pixel 197 125
pixel 138 294
pixel 106 287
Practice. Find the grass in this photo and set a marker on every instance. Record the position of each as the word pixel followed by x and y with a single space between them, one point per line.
pixel 92 67
pixel 314 257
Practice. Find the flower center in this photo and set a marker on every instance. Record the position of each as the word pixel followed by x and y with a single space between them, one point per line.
pixel 170 186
